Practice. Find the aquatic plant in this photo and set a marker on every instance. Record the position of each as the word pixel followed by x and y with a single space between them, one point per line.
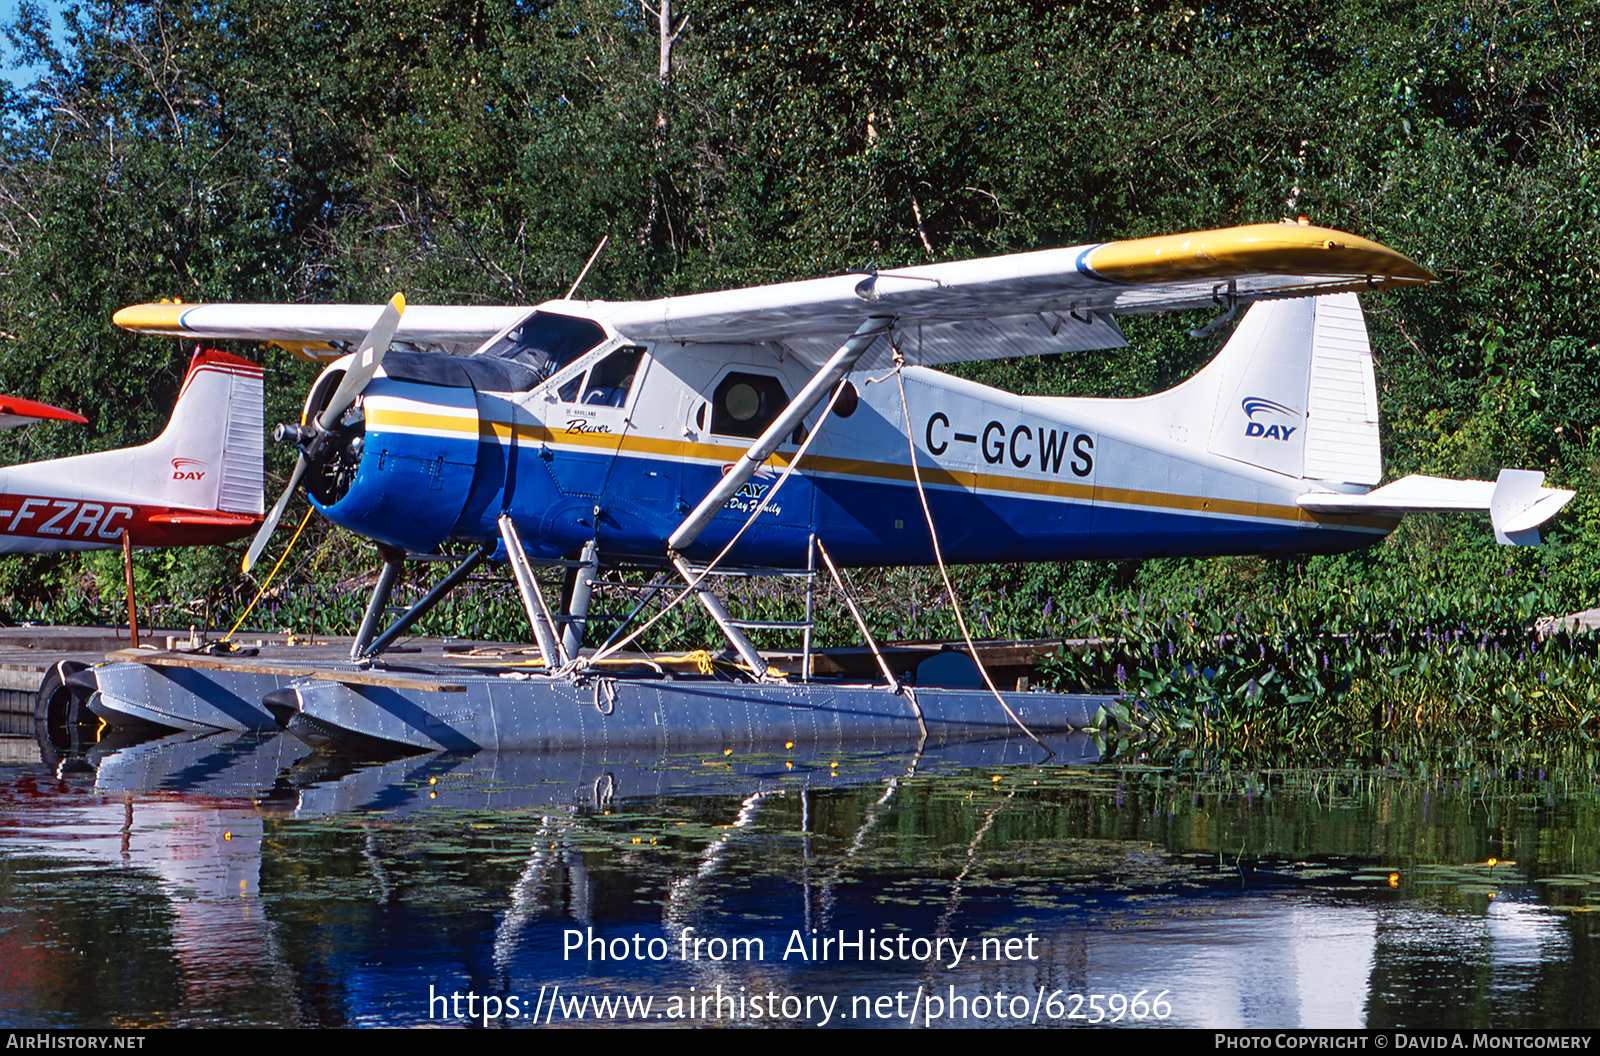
pixel 1364 667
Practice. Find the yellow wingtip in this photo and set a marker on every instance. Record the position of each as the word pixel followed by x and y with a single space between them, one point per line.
pixel 152 318
pixel 1291 249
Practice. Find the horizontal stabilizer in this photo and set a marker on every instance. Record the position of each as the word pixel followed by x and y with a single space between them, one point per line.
pixel 1517 501
pixel 15 411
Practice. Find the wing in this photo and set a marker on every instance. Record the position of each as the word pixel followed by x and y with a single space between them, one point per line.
pixel 15 412
pixel 317 331
pixel 1056 300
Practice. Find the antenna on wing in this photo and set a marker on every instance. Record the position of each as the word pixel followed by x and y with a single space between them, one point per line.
pixel 586 267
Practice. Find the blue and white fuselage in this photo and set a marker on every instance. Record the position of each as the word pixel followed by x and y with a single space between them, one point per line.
pixel 1216 466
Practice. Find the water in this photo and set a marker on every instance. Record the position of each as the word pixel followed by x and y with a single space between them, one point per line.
pixel 237 879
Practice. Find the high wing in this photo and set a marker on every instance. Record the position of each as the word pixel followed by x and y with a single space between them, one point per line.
pixel 322 332
pixel 1055 300
pixel 1058 300
pixel 15 411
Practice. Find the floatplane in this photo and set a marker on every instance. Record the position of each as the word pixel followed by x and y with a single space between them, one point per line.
pixel 774 426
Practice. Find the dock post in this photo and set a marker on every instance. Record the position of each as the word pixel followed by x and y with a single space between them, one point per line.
pixel 127 574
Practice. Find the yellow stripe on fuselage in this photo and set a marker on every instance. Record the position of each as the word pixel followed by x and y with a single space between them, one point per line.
pixel 684 451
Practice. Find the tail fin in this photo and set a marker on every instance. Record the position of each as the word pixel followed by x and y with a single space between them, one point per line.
pixel 209 457
pixel 199 482
pixel 211 454
pixel 1293 392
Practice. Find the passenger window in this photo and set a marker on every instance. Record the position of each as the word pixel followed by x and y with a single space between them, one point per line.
pixel 745 404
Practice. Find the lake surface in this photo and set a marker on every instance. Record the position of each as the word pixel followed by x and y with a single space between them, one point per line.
pixel 241 880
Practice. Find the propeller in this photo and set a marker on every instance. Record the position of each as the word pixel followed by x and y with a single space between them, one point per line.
pixel 315 439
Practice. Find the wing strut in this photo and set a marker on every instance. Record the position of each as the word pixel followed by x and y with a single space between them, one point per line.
pixel 807 398
pixel 819 385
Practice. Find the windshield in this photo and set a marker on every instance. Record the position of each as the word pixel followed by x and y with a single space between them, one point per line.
pixel 545 342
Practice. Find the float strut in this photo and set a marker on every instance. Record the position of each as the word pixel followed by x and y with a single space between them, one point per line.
pixel 393 560
pixel 456 577
pixel 581 595
pixel 746 649
pixel 532 601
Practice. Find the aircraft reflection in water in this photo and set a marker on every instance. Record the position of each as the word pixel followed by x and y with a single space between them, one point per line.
pixel 652 432
pixel 270 889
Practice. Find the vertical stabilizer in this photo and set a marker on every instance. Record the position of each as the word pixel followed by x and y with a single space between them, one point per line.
pixel 1263 377
pixel 211 454
pixel 1293 392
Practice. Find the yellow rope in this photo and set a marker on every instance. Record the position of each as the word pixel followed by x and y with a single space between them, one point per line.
pixel 704 662
pixel 701 659
pixel 268 581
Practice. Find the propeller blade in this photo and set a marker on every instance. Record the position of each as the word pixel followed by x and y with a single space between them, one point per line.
pixel 361 371
pixel 370 354
pixel 259 543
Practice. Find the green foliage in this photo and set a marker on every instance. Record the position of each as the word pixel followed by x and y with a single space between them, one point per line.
pixel 1367 665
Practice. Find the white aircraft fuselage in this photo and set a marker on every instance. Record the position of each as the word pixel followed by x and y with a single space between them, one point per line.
pixel 620 443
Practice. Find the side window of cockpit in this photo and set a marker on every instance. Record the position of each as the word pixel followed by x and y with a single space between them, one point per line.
pixel 607 383
pixel 745 404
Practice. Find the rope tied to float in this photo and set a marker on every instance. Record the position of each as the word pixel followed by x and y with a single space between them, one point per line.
pixel 938 557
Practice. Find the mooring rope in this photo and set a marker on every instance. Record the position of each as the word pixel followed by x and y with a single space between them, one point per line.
pixel 938 556
pixel 268 581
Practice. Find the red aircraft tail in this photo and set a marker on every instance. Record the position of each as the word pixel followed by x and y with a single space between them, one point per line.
pixel 199 482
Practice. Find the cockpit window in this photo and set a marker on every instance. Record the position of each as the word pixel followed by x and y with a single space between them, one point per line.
pixel 545 342
pixel 608 382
